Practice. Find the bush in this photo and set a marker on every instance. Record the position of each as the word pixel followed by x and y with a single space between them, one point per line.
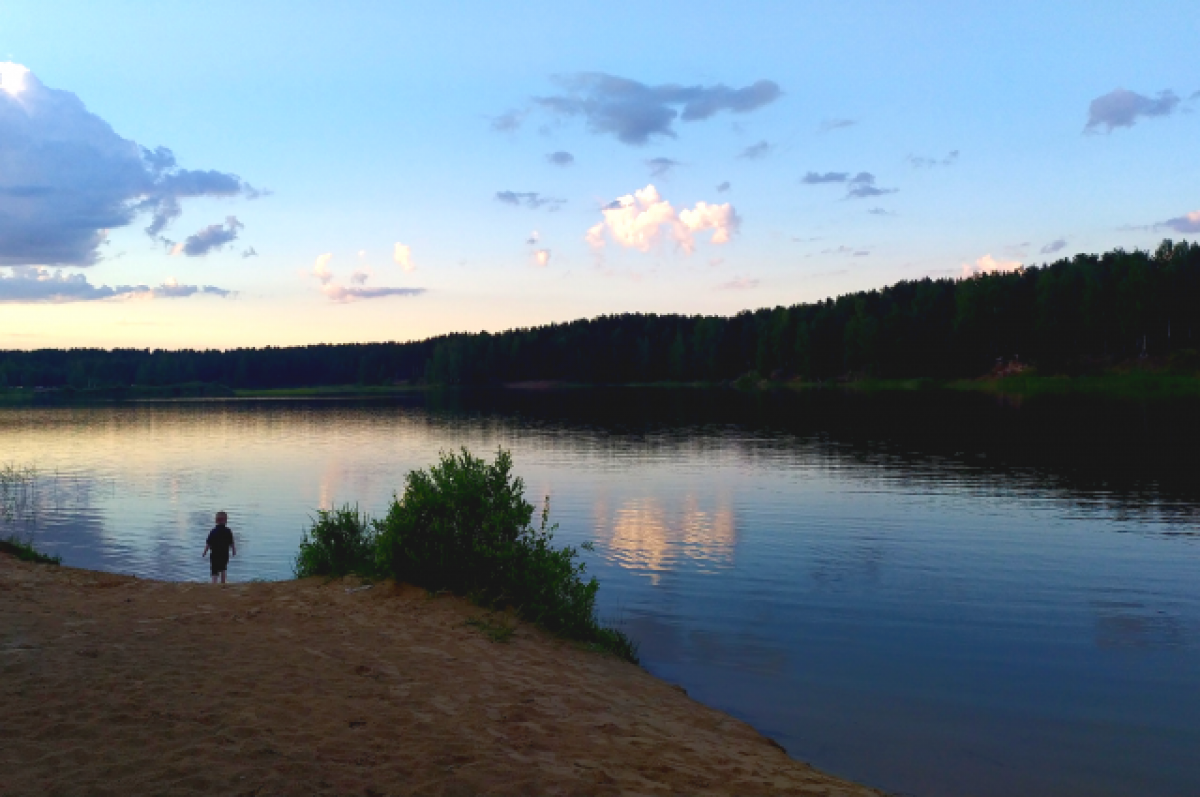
pixel 465 526
pixel 340 541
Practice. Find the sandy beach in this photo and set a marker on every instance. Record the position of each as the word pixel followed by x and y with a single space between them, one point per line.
pixel 118 685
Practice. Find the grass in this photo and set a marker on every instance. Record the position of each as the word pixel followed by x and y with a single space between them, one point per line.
pixel 27 553
pixel 497 629
pixel 325 391
pixel 18 493
pixel 1127 385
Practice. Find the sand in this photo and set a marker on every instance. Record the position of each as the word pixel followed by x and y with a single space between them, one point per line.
pixel 117 685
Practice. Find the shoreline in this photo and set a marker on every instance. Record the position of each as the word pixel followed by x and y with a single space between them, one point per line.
pixel 1128 385
pixel 115 684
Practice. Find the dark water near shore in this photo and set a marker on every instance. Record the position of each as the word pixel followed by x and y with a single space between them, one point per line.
pixel 933 594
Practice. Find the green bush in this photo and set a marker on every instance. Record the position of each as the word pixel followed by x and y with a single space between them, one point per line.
pixel 340 541
pixel 465 526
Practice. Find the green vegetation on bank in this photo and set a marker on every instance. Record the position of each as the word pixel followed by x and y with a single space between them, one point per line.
pixel 27 553
pixel 464 526
pixel 1076 316
pixel 70 395
pixel 324 391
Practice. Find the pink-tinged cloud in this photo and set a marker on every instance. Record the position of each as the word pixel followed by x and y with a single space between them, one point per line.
pixel 989 265
pixel 541 258
pixel 358 289
pixel 642 219
pixel 1188 222
pixel 403 257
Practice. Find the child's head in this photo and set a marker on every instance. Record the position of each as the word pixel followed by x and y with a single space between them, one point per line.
pixel 222 518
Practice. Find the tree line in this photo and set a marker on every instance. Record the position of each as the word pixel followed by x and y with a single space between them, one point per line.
pixel 1074 315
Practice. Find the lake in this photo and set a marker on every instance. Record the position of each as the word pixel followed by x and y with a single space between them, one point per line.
pixel 935 594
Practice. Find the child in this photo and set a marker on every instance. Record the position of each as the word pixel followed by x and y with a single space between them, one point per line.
pixel 220 542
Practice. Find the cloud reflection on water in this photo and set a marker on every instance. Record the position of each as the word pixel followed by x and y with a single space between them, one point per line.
pixel 649 535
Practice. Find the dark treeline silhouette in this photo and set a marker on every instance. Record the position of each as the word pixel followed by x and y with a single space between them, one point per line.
pixel 1074 315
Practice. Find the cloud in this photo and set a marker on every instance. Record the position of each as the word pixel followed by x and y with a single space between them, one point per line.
pixel 1054 246
pixel 723 187
pixel 358 292
pixel 40 285
pixel 836 124
pixel 756 151
pixel 530 199
pixel 634 112
pixel 214 236
pixel 66 177
pixel 402 255
pixel 541 258
pixel 863 185
pixel 509 121
pixel 989 265
pixel 641 219
pixel 1121 108
pixel 561 158
pixel 249 253
pixel 880 212
pixel 661 167
pixel 929 163
pixel 533 238
pixel 344 295
pixel 859 186
pixel 739 284
pixel 813 178
pixel 1188 222
pixel 171 289
pixel 321 268
pixel 846 250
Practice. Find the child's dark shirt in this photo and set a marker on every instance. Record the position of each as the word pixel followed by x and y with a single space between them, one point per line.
pixel 220 540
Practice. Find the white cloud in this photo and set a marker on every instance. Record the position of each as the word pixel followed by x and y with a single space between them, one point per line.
pixel 641 219
pixel 403 257
pixel 541 258
pixel 989 265
pixel 321 268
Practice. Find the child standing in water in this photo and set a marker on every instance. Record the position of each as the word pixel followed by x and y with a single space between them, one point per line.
pixel 220 542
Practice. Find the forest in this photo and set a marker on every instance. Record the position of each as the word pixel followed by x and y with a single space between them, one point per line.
pixel 1078 315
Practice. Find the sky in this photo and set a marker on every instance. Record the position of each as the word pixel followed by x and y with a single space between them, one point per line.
pixel 228 174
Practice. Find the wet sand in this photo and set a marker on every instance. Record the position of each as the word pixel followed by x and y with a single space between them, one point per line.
pixel 112 685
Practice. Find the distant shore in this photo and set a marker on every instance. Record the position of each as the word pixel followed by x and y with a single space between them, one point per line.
pixel 124 685
pixel 1129 384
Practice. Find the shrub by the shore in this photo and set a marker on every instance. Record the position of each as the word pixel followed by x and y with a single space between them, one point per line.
pixel 464 526
pixel 340 542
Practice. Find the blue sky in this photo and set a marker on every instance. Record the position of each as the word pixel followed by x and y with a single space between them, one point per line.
pixel 939 139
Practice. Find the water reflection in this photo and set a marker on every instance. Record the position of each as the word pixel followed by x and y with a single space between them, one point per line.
pixel 642 534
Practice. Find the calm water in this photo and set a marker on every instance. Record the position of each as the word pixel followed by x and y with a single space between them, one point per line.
pixel 934 595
